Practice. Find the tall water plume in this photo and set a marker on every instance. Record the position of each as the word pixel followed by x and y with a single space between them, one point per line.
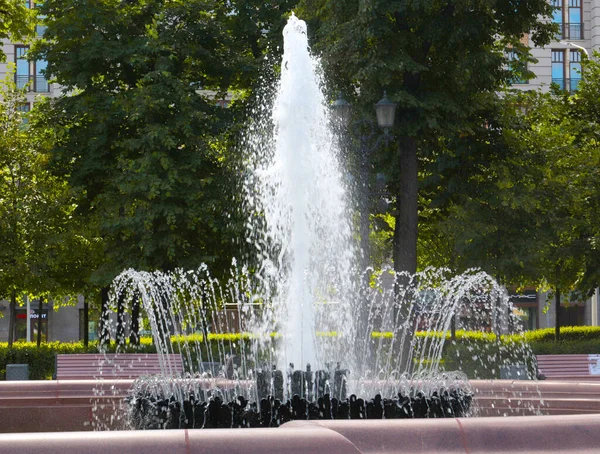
pixel 301 218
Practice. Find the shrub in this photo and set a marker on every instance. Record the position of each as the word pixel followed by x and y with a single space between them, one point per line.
pixel 478 354
pixel 41 360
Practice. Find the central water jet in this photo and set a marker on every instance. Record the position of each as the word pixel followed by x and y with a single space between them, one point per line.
pixel 297 183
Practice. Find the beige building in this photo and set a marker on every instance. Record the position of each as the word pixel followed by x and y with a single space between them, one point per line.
pixel 560 61
pixel 27 73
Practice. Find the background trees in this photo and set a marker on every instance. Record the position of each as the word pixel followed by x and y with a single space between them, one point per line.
pixel 442 61
pixel 142 136
pixel 45 251
pixel 504 183
pixel 16 22
pixel 525 209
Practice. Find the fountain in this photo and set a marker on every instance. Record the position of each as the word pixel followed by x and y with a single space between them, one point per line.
pixel 317 333
pixel 320 332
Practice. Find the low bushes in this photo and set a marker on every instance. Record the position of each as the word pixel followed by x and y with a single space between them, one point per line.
pixel 40 360
pixel 567 334
pixel 478 354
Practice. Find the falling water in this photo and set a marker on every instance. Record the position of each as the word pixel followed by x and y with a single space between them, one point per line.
pixel 297 184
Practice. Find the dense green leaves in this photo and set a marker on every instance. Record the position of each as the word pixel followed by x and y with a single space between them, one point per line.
pixel 142 138
pixel 525 210
pixel 443 62
pixel 16 22
pixel 45 251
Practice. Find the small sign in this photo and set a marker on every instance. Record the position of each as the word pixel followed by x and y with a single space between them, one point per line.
pixel 34 314
pixel 527 296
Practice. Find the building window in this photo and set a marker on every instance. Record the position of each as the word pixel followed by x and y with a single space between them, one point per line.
pixel 568 15
pixel 41 84
pixel 24 107
pixel 574 69
pixel 558 68
pixel 566 74
pixel 92 327
pixel 518 66
pixel 572 315
pixel 525 307
pixel 22 74
pixel 22 318
pixel 40 28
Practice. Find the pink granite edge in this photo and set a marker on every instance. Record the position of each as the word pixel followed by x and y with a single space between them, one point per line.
pixel 543 435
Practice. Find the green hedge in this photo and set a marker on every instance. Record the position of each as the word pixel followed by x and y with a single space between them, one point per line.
pixel 572 347
pixel 477 354
pixel 42 360
pixel 567 333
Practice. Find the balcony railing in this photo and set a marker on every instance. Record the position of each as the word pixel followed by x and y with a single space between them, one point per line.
pixel 567 84
pixel 570 31
pixel 37 84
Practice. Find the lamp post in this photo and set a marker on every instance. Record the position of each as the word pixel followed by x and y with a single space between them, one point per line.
pixel 366 132
pixel 573 86
pixel 581 48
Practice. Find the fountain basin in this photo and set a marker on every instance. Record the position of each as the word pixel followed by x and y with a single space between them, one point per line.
pixel 74 405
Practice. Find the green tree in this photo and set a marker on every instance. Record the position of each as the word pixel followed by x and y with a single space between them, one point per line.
pixel 525 212
pixel 45 252
pixel 441 61
pixel 140 137
pixel 16 22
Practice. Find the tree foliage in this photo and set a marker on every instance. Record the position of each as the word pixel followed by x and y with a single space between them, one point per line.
pixel 524 205
pixel 441 61
pixel 44 249
pixel 16 22
pixel 141 135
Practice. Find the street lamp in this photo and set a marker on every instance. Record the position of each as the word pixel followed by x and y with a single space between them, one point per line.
pixel 384 109
pixel 342 110
pixel 370 140
pixel 386 112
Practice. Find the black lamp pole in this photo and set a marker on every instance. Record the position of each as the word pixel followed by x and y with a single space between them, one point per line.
pixel 370 140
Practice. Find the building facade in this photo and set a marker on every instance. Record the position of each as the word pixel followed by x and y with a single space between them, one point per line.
pixel 537 309
pixel 560 61
pixel 27 73
pixel 66 324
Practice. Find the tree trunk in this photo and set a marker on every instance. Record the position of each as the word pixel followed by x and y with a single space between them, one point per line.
pixel 557 315
pixel 86 322
pixel 39 322
pixel 405 247
pixel 12 318
pixel 104 317
pixel 406 230
pixel 134 334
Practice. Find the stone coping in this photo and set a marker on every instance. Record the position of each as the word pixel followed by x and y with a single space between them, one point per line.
pixel 539 434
